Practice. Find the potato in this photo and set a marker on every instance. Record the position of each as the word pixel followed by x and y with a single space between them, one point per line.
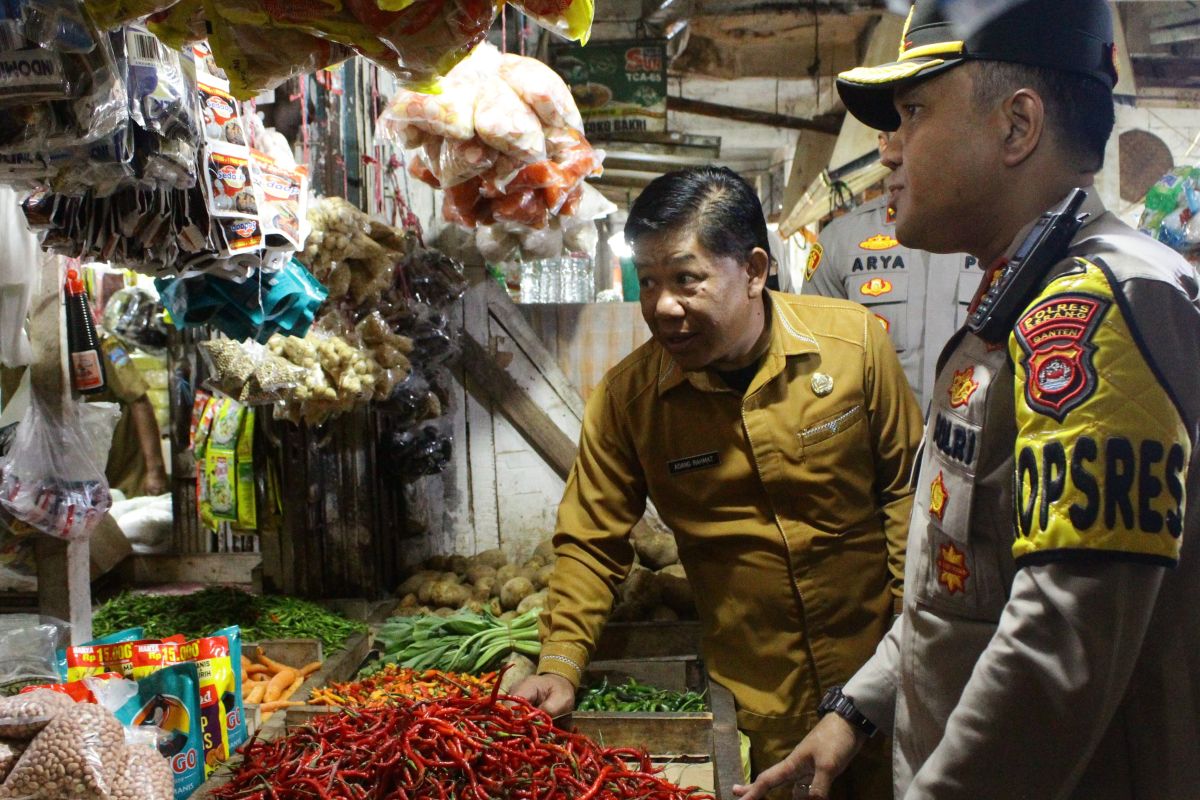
pixel 545 550
pixel 459 564
pixel 657 550
pixel 413 582
pixel 542 579
pixel 479 571
pixel 508 616
pixel 425 593
pixel 676 591
pixel 521 669
pixel 535 600
pixel 449 594
pixel 535 563
pixel 528 574
pixel 493 558
pixel 514 591
pixel 483 589
pixel 410 601
pixel 444 612
pixel 453 577
pixel 506 573
pixel 640 592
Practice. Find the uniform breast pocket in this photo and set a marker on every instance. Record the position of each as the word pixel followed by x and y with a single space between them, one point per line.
pixel 832 431
pixel 960 565
pixel 885 296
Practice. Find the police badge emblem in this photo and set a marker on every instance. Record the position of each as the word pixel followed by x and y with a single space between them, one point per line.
pixel 1056 337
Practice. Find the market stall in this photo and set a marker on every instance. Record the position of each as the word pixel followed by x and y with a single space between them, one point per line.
pixel 300 308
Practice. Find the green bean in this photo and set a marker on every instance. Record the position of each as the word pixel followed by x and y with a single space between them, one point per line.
pixel 199 614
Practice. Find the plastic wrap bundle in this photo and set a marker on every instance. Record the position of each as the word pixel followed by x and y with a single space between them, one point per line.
pixel 503 139
pixel 261 43
pixel 1172 212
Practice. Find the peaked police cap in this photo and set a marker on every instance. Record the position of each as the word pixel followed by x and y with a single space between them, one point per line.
pixel 1069 35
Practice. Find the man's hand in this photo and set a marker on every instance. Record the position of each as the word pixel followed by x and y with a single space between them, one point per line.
pixel 822 756
pixel 554 694
pixel 155 482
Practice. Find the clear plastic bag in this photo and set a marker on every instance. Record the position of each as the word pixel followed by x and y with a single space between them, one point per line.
pixel 504 122
pixel 144 775
pixel 10 752
pixel 569 18
pixel 542 90
pixel 25 715
pixel 78 755
pixel 53 478
pixel 29 648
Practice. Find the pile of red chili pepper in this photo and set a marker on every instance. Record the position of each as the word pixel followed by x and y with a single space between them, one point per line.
pixel 466 748
pixel 395 684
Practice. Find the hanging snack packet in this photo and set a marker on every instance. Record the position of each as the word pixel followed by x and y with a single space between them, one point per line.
pixel 211 656
pixel 221 459
pixel 247 512
pixel 231 191
pixel 149 657
pixel 285 195
pixel 219 117
pixel 235 709
pixel 169 702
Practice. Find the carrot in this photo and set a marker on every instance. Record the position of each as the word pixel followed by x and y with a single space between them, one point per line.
pixel 275 705
pixel 246 664
pixel 255 669
pixel 309 669
pixel 291 690
pixel 274 665
pixel 282 680
pixel 257 693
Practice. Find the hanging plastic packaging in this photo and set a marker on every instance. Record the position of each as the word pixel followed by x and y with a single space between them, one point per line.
pixel 53 477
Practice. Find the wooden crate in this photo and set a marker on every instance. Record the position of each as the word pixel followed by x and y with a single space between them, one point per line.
pixel 697 748
pixel 340 666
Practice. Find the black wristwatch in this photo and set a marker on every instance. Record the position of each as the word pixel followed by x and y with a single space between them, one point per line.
pixel 844 707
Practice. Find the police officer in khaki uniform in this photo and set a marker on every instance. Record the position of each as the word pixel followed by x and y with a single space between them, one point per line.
pixel 1049 645
pixel 776 435
pixel 919 298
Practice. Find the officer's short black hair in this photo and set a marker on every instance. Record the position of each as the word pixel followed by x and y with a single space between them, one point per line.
pixel 1079 108
pixel 718 202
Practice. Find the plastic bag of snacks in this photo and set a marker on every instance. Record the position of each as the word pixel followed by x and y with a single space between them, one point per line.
pixel 112 13
pixel 53 478
pixel 24 715
pixel 79 755
pixel 143 775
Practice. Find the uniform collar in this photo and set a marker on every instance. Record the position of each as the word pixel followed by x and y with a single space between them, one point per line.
pixel 789 337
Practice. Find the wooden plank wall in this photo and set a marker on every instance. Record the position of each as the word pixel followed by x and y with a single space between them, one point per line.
pixel 587 339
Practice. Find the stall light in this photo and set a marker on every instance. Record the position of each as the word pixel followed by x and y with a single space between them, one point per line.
pixel 619 246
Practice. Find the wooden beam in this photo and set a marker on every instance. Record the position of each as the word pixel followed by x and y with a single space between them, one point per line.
pixel 64 571
pixel 145 570
pixel 485 377
pixel 686 105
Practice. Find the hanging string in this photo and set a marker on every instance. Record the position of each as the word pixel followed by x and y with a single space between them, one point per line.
pixel 504 28
pixel 304 119
pixel 522 28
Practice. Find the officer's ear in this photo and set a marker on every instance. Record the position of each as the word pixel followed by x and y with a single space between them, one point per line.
pixel 758 265
pixel 1024 118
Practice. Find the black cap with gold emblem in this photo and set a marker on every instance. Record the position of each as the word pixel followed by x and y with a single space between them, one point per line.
pixel 1070 35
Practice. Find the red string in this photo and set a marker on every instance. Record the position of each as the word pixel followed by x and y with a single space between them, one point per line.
pixel 503 28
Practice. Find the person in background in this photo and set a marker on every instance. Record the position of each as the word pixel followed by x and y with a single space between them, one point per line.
pixel 919 298
pixel 776 435
pixel 135 461
pixel 1049 645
